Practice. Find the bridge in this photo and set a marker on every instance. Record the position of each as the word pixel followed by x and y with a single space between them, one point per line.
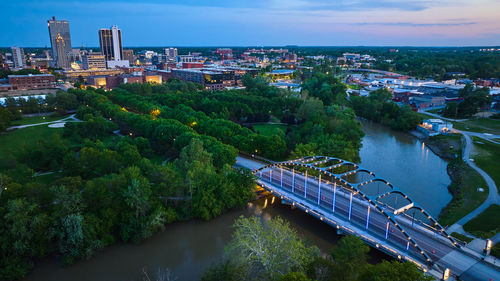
pixel 357 202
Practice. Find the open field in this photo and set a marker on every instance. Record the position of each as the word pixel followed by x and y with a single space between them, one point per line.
pixel 480 125
pixel 269 129
pixel 11 142
pixel 37 119
pixel 486 157
pixel 487 224
pixel 463 187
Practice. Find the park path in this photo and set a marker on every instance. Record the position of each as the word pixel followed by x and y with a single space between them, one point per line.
pixel 70 118
pixel 492 198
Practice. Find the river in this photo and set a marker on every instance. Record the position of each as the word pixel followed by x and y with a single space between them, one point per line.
pixel 188 248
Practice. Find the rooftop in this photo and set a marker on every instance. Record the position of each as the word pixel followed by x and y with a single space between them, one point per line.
pixel 31 75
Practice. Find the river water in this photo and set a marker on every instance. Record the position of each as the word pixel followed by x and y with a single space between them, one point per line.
pixel 188 248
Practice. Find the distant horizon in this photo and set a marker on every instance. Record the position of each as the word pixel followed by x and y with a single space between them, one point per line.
pixel 271 46
pixel 388 23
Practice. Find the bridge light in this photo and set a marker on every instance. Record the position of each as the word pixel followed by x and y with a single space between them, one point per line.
pixel 399 256
pixel 422 252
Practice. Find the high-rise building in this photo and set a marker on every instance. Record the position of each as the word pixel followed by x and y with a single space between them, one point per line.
pixel 171 53
pixel 18 57
pixel 111 43
pixel 59 28
pixel 62 57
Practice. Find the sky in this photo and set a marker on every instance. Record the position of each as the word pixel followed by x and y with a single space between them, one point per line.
pixel 258 22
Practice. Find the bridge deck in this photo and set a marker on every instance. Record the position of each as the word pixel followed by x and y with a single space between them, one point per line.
pixel 346 210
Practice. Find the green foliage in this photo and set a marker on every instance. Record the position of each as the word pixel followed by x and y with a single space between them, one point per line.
pixel 394 271
pixel 378 107
pixel 269 250
pixel 223 271
pixel 326 87
pixel 473 101
pixel 486 224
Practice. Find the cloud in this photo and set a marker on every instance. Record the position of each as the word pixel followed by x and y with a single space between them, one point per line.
pixel 413 24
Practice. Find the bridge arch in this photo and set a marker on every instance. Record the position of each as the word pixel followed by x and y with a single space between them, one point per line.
pixel 320 165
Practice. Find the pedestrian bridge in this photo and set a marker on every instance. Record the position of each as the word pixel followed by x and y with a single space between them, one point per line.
pixel 357 202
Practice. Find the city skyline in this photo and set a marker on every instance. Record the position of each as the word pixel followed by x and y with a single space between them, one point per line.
pixel 256 23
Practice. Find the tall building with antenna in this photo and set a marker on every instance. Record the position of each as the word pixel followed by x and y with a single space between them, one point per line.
pixel 59 28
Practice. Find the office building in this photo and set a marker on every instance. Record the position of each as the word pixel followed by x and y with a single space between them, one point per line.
pixel 111 47
pixel 59 28
pixel 94 61
pixel 18 57
pixel 129 55
pixel 62 59
pixel 32 82
pixel 111 43
pixel 171 53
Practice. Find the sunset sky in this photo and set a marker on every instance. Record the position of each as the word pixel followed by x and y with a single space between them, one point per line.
pixel 259 22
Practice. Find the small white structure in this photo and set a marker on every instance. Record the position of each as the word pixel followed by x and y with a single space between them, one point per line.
pixel 117 63
pixel 433 127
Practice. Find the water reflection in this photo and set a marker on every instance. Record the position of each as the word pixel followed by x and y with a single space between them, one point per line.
pixel 404 161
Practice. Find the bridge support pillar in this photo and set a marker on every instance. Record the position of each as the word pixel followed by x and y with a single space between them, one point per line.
pixel 319 189
pixel 446 274
pixel 272 200
pixel 305 185
pixel 350 207
pixel 334 195
pixel 281 177
pixel 265 204
pixel 368 217
pixel 488 246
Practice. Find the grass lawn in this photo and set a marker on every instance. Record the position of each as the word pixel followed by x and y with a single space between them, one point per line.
pixel 36 119
pixel 480 125
pixel 435 111
pixel 269 129
pixel 461 237
pixel 487 157
pixel 12 141
pixel 463 187
pixel 487 224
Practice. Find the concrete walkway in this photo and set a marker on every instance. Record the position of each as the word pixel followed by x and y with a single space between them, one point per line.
pixel 70 118
pixel 492 198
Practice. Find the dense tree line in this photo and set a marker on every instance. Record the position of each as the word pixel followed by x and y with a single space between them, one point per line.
pixel 273 251
pixel 104 188
pixel 473 99
pixel 379 107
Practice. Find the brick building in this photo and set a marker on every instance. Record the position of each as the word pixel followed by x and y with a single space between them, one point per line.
pixel 32 82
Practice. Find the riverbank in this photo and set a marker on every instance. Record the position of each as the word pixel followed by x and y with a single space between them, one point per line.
pixel 465 181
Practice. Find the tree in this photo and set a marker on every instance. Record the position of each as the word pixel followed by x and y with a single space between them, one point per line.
pixel 223 271
pixel 349 256
pixel 393 271
pixel 268 250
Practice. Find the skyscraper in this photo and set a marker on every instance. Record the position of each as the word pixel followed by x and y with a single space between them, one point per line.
pixel 171 53
pixel 62 58
pixel 18 57
pixel 111 43
pixel 59 28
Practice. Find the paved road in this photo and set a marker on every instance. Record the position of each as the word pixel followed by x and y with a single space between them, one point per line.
pixel 492 198
pixel 435 245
